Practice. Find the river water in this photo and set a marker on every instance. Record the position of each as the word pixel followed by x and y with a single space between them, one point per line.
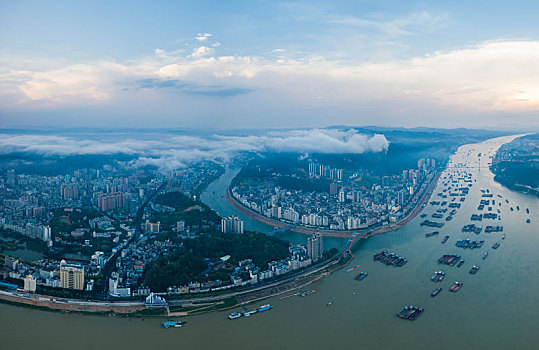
pixel 497 308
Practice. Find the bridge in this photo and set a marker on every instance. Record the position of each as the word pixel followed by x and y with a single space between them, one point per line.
pixel 352 240
pixel 283 229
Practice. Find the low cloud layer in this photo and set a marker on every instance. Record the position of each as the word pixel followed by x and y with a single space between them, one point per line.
pixel 172 151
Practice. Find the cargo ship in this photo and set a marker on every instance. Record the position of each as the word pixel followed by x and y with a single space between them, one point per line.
pixel 455 287
pixel 173 324
pixel 436 292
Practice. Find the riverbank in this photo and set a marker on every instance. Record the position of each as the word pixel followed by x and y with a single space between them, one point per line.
pixel 250 295
pixel 72 305
pixel 332 233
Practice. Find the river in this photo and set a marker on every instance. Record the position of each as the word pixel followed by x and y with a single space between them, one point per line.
pixel 496 309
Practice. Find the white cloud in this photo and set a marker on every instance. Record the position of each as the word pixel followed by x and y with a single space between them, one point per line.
pixel 203 36
pixel 169 152
pixel 201 52
pixel 492 77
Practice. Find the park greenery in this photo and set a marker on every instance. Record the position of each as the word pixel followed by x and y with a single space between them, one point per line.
pixel 186 209
pixel 191 261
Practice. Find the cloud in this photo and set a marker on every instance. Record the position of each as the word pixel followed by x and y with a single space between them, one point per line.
pixel 422 21
pixel 189 88
pixel 172 151
pixel 203 36
pixel 201 52
pixel 492 77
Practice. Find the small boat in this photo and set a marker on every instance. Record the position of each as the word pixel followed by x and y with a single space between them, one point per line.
pixel 445 239
pixel 528 221
pixel 527 211
pixel 329 303
pixel 361 276
pixel 264 308
pixel 436 292
pixel 503 236
pixel 249 313
pixel 173 324
pixel 496 245
pixel 460 263
pixel 234 315
pixel 455 287
pixel 474 270
pixel 433 233
pixel 485 255
pixel 352 268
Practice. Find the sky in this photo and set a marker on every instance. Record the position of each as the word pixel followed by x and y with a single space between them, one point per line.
pixel 269 64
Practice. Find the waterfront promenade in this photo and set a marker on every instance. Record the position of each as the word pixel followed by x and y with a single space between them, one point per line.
pixel 370 231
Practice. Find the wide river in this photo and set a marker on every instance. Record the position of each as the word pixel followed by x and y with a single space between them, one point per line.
pixel 498 308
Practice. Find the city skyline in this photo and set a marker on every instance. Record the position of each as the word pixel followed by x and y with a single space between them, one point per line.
pixel 260 64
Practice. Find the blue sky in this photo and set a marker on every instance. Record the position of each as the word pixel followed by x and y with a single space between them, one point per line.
pixel 230 64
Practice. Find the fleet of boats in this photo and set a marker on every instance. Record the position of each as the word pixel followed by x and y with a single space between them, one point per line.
pixel 390 258
pixel 438 276
pixel 410 312
pixel 235 315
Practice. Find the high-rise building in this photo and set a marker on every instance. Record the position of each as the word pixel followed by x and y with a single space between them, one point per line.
pixel 69 191
pixel 154 227
pixel 111 201
pixel 276 212
pixel 30 284
pixel 333 188
pixel 232 224
pixel 315 247
pixel 356 196
pixel 71 276
pixel 342 196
